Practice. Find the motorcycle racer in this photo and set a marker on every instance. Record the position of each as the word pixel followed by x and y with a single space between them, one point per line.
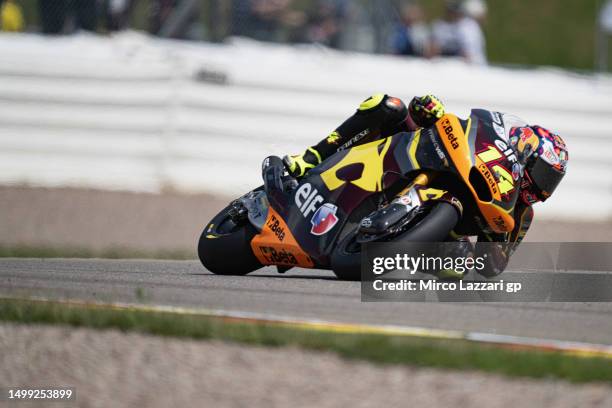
pixel 542 158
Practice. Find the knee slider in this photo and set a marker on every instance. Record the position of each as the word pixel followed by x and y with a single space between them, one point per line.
pixel 394 108
pixel 397 111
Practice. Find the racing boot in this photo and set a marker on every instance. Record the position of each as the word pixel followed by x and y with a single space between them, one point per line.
pixel 299 165
pixel 458 247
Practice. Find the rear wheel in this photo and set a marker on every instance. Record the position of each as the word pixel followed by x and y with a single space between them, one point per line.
pixel 434 226
pixel 225 247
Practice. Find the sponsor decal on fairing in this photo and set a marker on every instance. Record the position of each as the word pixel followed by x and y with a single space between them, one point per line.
pixel 324 219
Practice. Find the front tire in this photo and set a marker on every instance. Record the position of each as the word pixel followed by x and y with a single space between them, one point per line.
pixel 224 247
pixel 434 227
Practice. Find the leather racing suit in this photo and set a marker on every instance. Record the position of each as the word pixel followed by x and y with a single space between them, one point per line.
pixel 383 115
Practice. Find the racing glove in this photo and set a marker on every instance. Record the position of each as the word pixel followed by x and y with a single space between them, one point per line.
pixel 426 110
pixel 461 248
pixel 299 165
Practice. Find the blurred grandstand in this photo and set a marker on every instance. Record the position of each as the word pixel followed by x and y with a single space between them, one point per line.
pixel 552 32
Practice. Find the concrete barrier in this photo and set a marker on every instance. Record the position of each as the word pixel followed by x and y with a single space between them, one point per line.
pixel 131 112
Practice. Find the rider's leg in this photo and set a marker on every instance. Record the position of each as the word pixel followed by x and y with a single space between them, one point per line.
pixel 379 115
pixel 456 247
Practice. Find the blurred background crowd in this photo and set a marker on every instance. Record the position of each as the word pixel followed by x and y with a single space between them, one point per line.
pixel 514 30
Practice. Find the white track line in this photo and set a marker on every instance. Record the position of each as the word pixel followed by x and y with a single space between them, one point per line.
pixel 567 347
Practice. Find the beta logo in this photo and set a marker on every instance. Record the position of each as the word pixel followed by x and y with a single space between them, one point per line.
pixel 448 129
pixel 324 219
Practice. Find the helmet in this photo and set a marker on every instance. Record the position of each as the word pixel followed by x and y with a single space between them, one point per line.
pixel 544 156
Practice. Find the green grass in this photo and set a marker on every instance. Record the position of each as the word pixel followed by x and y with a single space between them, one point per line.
pixel 381 349
pixel 544 32
pixel 31 251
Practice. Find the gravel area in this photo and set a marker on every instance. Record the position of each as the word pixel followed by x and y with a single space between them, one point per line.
pixel 97 220
pixel 110 368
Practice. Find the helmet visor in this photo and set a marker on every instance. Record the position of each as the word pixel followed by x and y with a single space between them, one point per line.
pixel 545 177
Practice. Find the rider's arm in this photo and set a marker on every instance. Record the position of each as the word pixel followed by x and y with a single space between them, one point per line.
pixel 498 253
pixel 379 115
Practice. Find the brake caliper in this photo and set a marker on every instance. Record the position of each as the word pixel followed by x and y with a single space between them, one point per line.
pixel 238 213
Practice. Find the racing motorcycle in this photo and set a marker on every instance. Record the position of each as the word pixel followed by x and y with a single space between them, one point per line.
pixel 458 175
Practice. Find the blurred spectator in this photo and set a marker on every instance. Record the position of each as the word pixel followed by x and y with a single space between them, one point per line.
pixel 159 12
pixel 476 9
pixel 411 35
pixel 459 34
pixel 359 27
pixel 324 25
pixel 176 19
pixel 117 14
pixel 470 29
pixel 11 17
pixel 55 13
pixel 264 20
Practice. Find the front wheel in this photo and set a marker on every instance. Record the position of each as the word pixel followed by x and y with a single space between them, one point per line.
pixel 434 226
pixel 224 247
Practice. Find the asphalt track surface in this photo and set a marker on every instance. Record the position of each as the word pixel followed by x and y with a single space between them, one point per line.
pixel 299 294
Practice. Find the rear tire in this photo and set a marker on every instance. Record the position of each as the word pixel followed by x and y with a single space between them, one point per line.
pixel 225 248
pixel 435 227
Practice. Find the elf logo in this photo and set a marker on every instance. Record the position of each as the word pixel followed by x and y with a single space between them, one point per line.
pixel 307 198
pixel 508 151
